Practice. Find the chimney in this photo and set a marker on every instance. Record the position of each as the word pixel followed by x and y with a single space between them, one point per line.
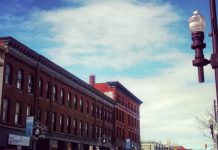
pixel 92 80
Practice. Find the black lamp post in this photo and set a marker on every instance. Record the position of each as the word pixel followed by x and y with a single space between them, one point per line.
pixel 197 25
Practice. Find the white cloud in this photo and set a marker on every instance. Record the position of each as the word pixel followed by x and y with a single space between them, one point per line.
pixel 116 34
pixel 171 101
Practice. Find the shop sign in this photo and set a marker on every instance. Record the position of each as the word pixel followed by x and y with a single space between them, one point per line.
pixel 18 140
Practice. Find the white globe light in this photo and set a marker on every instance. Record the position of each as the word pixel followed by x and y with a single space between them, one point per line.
pixel 196 22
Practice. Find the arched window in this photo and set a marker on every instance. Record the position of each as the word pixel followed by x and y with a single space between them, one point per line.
pixel 20 79
pixel 30 84
pixel 81 105
pixel 62 97
pixel 47 89
pixel 8 74
pixel 75 102
pixel 40 87
pixel 54 93
pixel 69 100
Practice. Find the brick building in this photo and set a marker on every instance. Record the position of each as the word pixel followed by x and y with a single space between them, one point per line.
pixel 73 114
pixel 126 125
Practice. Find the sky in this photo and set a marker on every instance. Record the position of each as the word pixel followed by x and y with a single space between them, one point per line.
pixel 143 44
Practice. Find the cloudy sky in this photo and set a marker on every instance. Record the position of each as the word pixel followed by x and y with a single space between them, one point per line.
pixel 144 44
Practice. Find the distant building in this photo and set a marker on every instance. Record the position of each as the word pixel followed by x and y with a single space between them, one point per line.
pixel 153 146
pixel 127 119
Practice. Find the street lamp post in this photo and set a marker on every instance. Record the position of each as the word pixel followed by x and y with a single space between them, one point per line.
pixel 197 25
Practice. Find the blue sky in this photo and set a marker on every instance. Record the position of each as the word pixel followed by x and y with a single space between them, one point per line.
pixel 144 44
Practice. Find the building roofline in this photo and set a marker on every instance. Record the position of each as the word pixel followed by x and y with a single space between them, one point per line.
pixel 125 90
pixel 39 58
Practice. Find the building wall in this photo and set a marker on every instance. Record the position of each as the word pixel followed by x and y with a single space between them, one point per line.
pixel 126 115
pixel 21 57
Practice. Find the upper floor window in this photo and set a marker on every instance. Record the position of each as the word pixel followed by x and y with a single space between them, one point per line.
pixel 81 128
pixel 100 113
pixel 68 124
pixel 20 79
pixel 69 100
pixel 81 104
pixel 92 109
pixel 18 113
pixel 39 114
pixel 62 97
pixel 97 111
pixel 87 107
pixel 28 111
pixel 47 117
pixel 75 102
pixel 75 126
pixel 40 87
pixel 8 74
pixel 47 90
pixel 54 93
pixel 87 129
pixel 30 84
pixel 62 123
pixel 54 121
pixel 5 111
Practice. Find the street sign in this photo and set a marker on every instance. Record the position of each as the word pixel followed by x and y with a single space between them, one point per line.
pixel 18 140
pixel 37 132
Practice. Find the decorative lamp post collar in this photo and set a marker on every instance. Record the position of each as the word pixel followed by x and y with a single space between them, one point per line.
pixel 196 22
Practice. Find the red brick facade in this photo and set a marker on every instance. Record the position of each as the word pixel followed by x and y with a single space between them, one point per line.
pixel 80 123
pixel 126 113
pixel 73 114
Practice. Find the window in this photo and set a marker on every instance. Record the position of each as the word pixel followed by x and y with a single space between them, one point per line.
pixel 100 132
pixel 5 111
pixel 69 100
pixel 30 84
pixel 46 117
pixel 97 111
pixel 97 132
pixel 100 113
pixel 20 79
pixel 28 111
pixel 62 97
pixel 39 114
pixel 92 109
pixel 87 129
pixel 93 131
pixel 75 126
pixel 81 128
pixel 8 74
pixel 40 87
pixel 18 114
pixel 87 107
pixel 75 102
pixel 47 89
pixel 68 124
pixel 54 93
pixel 81 105
pixel 62 123
pixel 54 121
